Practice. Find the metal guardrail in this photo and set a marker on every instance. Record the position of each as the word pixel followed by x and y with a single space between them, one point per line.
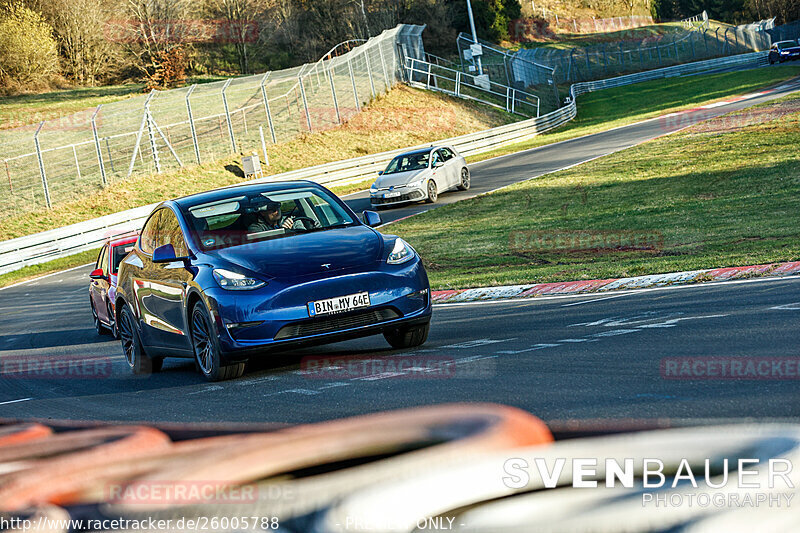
pixel 61 242
pixel 462 85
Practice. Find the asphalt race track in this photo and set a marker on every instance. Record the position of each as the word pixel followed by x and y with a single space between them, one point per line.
pixel 561 358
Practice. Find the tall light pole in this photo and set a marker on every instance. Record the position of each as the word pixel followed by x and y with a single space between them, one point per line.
pixel 476 59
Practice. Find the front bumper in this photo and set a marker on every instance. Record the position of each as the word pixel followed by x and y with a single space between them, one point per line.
pixel 276 317
pixel 406 194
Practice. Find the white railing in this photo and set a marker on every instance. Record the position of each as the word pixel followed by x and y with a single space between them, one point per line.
pixel 61 242
pixel 463 85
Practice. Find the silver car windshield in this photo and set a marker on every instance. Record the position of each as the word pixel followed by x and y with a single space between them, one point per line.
pixel 408 162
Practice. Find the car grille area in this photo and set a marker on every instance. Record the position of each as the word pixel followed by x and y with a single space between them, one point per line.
pixel 330 324
pixel 410 197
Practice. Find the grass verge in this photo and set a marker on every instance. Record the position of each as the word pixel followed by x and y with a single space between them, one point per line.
pixel 56 265
pixel 612 108
pixel 725 192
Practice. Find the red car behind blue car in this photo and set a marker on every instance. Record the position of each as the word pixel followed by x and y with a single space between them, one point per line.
pixel 103 287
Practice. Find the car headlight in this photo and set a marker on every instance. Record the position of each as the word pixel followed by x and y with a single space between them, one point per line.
pixel 373 188
pixel 235 281
pixel 401 252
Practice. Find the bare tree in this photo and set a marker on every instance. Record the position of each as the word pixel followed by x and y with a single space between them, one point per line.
pixel 155 27
pixel 242 18
pixel 80 30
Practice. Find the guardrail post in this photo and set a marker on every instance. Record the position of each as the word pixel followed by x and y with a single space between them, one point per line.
pixel 305 102
pixel 513 98
pixel 329 71
pixel 428 81
pixel 41 165
pixel 369 72
pixel 228 115
pixel 266 106
pixel 458 83
pixel 508 99
pixel 103 179
pixel 77 166
pixel 191 124
pixel 353 80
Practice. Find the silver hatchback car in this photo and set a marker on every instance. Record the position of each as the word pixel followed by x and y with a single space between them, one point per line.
pixel 420 175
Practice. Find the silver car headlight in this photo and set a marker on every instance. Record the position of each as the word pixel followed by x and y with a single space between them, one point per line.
pixel 401 252
pixel 235 281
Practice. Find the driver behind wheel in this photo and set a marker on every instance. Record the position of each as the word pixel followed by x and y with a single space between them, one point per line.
pixel 270 218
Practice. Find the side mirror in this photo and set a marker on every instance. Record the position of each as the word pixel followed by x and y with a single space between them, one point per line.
pixel 166 254
pixel 438 164
pixel 372 219
pixel 380 173
pixel 97 273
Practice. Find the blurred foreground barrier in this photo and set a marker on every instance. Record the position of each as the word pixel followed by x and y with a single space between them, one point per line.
pixel 136 473
pixel 506 491
pixel 62 242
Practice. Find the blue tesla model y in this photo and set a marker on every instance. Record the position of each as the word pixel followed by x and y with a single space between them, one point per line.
pixel 229 274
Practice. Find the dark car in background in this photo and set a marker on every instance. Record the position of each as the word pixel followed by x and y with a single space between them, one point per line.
pixel 784 51
pixel 103 287
pixel 210 280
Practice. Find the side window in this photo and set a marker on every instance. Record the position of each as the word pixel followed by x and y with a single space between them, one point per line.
pixel 447 154
pixel 102 259
pixel 147 238
pixel 169 232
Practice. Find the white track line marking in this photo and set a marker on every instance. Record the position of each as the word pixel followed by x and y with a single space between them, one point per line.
pixel 16 401
pixel 788 307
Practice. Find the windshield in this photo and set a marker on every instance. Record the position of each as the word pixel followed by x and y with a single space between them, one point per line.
pixel 118 254
pixel 786 44
pixel 408 162
pixel 253 217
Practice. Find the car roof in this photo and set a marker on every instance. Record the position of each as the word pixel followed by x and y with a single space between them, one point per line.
pixel 123 240
pixel 227 192
pixel 421 151
pixel 794 43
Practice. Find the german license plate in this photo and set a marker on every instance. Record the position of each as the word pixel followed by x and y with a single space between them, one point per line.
pixel 392 194
pixel 339 304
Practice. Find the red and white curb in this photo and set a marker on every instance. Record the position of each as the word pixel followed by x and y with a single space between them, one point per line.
pixel 614 284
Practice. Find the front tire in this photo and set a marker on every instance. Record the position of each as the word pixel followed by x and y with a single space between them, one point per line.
pixel 464 183
pixel 206 348
pixel 408 337
pixel 433 192
pixel 135 355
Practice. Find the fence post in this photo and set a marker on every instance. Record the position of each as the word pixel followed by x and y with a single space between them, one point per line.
pixel 228 115
pixel 191 124
pixel 41 165
pixel 329 71
pixel 97 146
pixel 353 80
pixel 386 83
pixel 263 144
pixel 369 72
pixel 266 107
pixel 305 102
pixel 513 98
pixel 152 136
pixel 77 165
pixel 8 175
pixel 675 45
pixel 458 83
pixel 428 81
pixel 139 134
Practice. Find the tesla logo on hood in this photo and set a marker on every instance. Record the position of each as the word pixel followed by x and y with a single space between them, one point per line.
pixel 326 265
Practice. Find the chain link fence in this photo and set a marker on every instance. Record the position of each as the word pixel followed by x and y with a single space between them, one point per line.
pixel 507 69
pixel 60 160
pixel 700 41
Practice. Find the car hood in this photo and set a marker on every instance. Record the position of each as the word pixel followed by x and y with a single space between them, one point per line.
pixel 400 178
pixel 351 248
